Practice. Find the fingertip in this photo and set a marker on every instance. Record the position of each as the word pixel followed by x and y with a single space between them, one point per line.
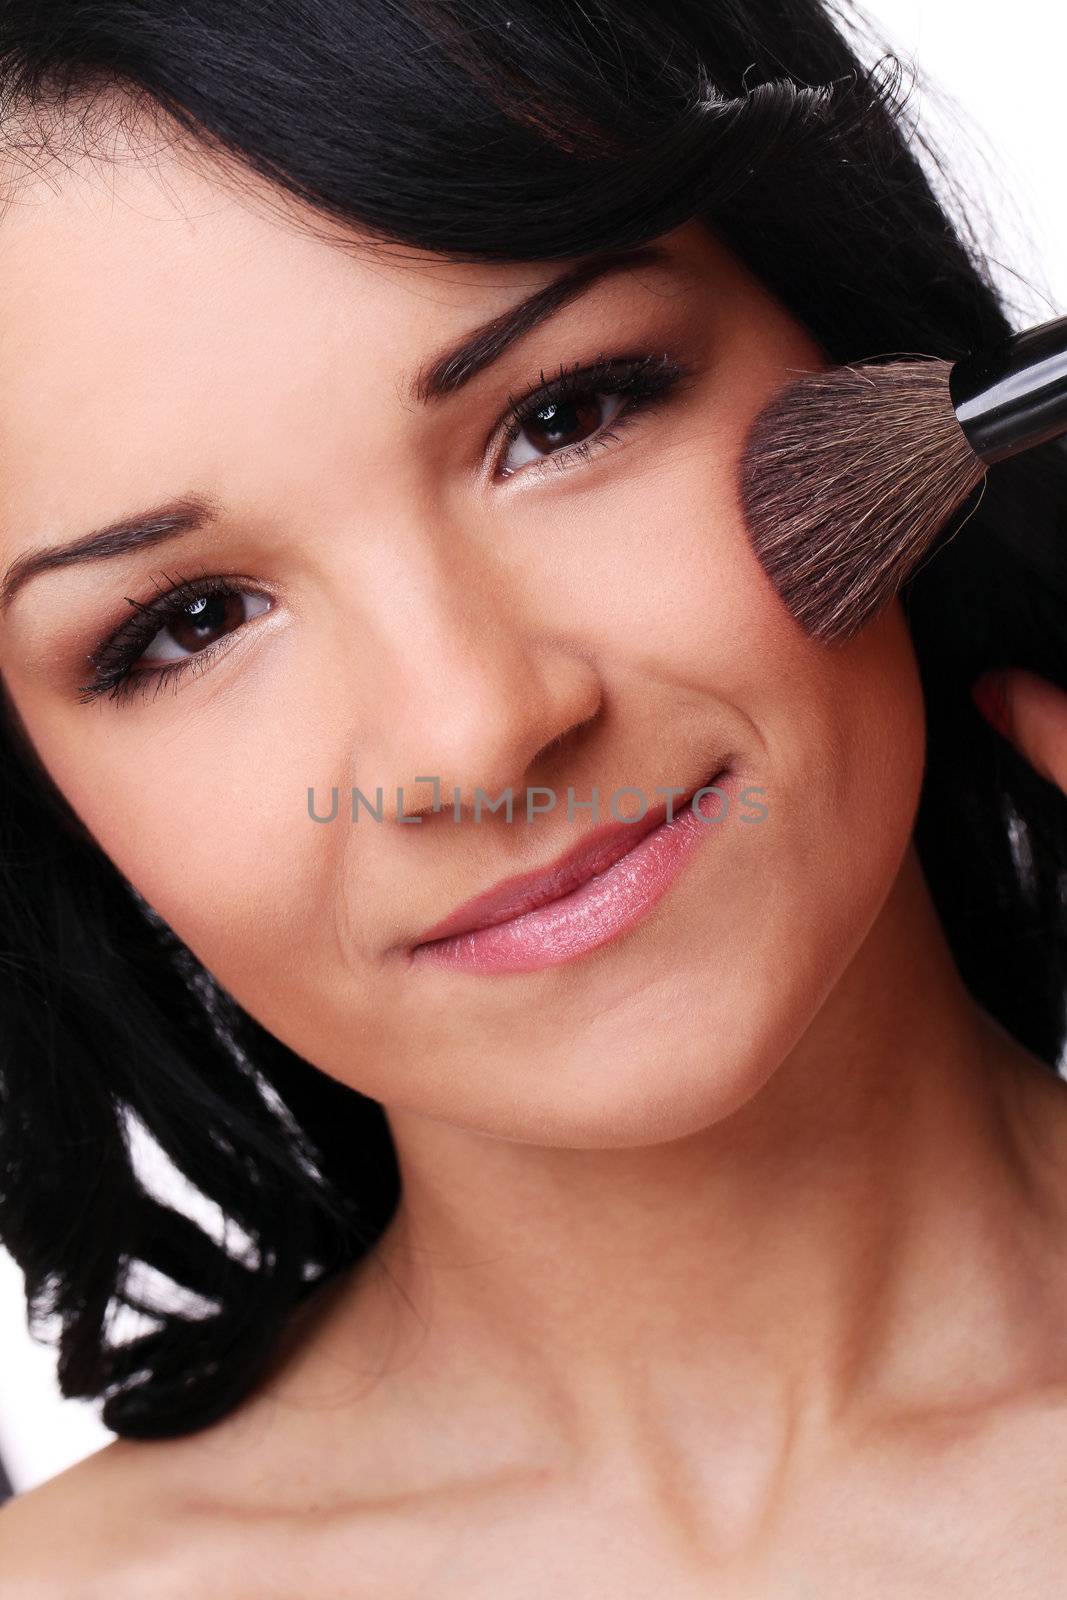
pixel 992 695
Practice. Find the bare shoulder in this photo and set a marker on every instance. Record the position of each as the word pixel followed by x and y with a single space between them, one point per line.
pixel 199 1515
pixel 51 1535
pixel 97 1531
pixel 138 1516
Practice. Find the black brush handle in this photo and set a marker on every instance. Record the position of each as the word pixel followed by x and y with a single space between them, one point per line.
pixel 1012 396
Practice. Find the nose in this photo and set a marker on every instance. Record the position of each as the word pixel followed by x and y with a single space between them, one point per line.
pixel 479 703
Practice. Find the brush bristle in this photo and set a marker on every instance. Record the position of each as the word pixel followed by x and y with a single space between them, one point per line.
pixel 847 477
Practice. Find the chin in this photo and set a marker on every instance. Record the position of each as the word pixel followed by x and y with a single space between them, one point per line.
pixel 657 1085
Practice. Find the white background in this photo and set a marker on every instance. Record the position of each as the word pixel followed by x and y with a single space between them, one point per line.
pixel 994 105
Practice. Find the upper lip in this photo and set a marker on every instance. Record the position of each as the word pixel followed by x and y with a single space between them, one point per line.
pixel 595 852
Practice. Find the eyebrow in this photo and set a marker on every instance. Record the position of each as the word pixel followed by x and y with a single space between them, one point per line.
pixel 138 532
pixel 457 365
pixel 443 376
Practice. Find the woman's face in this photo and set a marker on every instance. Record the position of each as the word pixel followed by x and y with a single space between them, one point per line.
pixel 415 594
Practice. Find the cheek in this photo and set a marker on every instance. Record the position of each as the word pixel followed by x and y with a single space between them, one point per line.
pixel 839 729
pixel 206 815
pixel 649 565
pixel 841 736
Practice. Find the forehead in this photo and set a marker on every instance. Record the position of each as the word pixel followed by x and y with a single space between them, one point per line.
pixel 154 240
pixel 159 319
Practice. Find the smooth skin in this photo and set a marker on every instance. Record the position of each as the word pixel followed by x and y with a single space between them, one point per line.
pixel 732 1256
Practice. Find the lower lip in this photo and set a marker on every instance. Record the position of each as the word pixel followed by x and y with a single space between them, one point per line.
pixel 596 912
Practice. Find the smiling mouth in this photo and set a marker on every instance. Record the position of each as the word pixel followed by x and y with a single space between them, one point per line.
pixel 577 868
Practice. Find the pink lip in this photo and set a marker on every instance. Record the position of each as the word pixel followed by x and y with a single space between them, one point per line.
pixel 587 896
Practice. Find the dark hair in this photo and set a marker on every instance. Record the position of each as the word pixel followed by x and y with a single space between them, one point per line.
pixel 536 130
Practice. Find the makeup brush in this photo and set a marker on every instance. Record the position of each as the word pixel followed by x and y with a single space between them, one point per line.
pixel 849 474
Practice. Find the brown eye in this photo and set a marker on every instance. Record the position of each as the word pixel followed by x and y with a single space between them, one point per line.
pixel 203 621
pixel 563 423
pixel 185 627
pixel 196 624
pixel 557 424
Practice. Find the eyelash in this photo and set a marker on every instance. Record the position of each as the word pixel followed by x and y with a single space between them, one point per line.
pixel 642 379
pixel 113 660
